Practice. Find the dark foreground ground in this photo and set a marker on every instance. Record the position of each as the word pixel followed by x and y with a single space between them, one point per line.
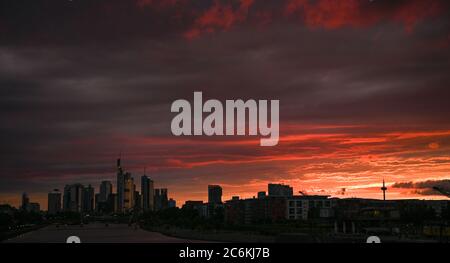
pixel 122 233
pixel 95 233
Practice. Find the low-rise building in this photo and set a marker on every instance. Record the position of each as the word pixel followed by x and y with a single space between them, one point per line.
pixel 310 206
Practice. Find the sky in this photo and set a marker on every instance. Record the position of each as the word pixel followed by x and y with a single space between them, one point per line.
pixel 363 89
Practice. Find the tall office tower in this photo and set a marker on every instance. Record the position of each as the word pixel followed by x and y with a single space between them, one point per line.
pixel 105 191
pixel 147 192
pixel 214 194
pixel 161 200
pixel 164 198
pixel 99 206
pixel 120 187
pixel 128 193
pixel 25 201
pixel 137 201
pixel 66 198
pixel 280 190
pixel 157 200
pixel 88 199
pixel 112 203
pixel 54 202
pixel 73 197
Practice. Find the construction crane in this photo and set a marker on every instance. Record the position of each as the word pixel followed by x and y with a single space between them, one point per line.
pixel 442 191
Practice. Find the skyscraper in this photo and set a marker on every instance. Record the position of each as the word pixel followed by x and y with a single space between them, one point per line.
pixel 147 192
pixel 125 190
pixel 105 191
pixel 54 202
pixel 99 206
pixel 88 199
pixel 137 201
pixel 73 197
pixel 25 201
pixel 161 199
pixel 112 203
pixel 214 194
pixel 128 192
pixel 120 186
pixel 164 198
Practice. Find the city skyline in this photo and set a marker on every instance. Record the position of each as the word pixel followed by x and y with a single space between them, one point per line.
pixel 362 88
pixel 214 194
pixel 427 186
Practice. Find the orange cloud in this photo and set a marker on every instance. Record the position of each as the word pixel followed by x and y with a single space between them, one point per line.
pixel 434 145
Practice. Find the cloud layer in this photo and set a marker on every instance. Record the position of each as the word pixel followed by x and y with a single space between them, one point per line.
pixel 363 90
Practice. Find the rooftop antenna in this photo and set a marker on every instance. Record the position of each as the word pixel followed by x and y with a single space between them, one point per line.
pixel 119 165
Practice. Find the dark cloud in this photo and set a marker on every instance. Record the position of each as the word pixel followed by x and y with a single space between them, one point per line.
pixel 425 187
pixel 84 80
pixel 54 22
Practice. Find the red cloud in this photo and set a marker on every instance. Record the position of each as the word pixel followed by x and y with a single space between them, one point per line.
pixel 328 14
pixel 219 17
pixel 332 14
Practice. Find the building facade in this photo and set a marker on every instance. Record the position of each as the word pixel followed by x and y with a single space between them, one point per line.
pixel 148 193
pixel 54 202
pixel 214 194
pixel 88 199
pixel 276 190
pixel 73 198
pixel 105 191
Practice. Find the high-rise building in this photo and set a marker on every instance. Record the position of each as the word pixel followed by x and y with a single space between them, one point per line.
pixel 161 200
pixel 25 201
pixel 28 206
pixel 99 206
pixel 137 201
pixel 112 203
pixel 54 202
pixel 88 199
pixel 157 199
pixel 73 197
pixel 120 187
pixel 128 193
pixel 214 194
pixel 105 191
pixel 125 190
pixel 280 190
pixel 147 192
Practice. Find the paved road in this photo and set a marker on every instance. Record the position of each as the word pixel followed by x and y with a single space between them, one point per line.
pixel 96 233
